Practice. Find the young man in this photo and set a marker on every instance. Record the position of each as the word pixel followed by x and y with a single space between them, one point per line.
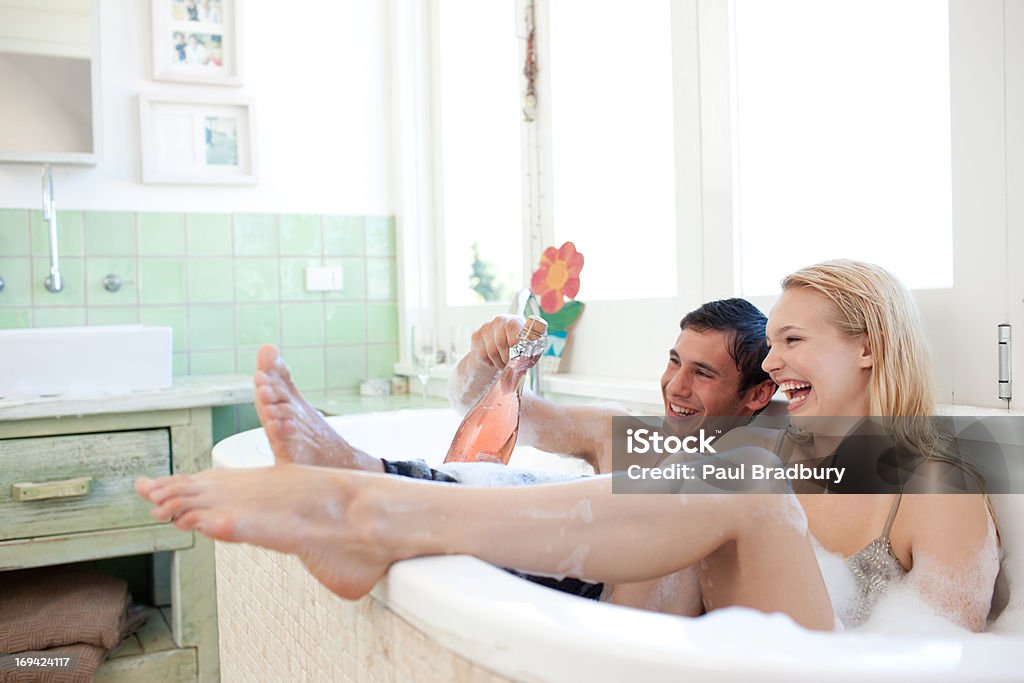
pixel 713 370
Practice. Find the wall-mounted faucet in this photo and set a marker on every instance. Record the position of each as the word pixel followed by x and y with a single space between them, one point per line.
pixel 53 281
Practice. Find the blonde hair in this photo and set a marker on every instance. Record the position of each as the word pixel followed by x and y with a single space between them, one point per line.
pixel 869 301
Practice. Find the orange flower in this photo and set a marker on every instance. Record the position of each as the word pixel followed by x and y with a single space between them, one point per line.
pixel 557 277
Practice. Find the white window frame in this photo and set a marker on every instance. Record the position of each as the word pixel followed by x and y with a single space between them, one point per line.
pixel 987 92
pixel 987 107
pixel 697 233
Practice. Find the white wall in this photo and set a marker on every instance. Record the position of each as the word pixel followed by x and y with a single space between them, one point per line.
pixel 319 73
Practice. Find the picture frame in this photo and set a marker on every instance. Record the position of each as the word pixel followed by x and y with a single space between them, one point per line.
pixel 197 41
pixel 198 140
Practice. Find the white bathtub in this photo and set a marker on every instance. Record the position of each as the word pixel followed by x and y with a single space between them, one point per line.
pixel 517 630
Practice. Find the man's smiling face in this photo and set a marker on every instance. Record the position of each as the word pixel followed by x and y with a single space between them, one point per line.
pixel 701 379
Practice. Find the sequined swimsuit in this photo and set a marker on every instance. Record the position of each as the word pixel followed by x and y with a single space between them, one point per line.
pixel 874 567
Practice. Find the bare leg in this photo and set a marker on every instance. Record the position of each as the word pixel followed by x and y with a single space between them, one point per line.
pixel 289 508
pixel 348 527
pixel 767 565
pixel 296 431
pixel 677 593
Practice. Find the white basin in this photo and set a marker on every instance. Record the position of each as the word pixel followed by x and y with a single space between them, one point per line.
pixel 82 361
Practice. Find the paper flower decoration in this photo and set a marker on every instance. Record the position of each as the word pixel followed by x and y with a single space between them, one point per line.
pixel 558 277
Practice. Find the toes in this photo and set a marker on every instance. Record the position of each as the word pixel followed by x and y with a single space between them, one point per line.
pixel 267 357
pixel 143 485
pixel 273 392
pixel 148 488
pixel 160 516
pixel 260 379
pixel 279 419
pixel 173 508
pixel 177 488
pixel 188 521
pixel 286 375
pixel 270 362
pixel 265 394
pixel 217 527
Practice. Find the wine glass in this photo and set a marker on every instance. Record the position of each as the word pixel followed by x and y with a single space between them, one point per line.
pixel 459 342
pixel 424 353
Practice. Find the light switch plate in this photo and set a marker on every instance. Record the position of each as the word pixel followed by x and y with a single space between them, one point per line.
pixel 323 279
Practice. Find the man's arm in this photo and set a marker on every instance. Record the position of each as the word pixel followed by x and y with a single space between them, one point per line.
pixel 582 431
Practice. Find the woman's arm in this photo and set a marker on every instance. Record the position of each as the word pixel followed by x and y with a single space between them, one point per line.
pixel 955 554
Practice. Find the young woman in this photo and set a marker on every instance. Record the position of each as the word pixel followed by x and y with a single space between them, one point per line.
pixel 844 341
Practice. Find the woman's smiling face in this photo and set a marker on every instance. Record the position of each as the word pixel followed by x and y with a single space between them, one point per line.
pixel 820 370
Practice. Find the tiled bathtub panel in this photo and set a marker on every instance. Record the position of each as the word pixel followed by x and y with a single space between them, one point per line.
pixel 277 623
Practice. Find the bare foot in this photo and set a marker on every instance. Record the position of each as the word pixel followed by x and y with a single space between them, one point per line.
pixel 302 511
pixel 296 431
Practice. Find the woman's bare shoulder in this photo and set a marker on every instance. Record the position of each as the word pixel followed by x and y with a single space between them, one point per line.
pixel 946 525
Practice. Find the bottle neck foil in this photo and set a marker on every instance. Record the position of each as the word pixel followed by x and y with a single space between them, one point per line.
pixel 530 349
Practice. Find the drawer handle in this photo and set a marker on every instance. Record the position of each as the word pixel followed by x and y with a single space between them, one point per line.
pixel 68 488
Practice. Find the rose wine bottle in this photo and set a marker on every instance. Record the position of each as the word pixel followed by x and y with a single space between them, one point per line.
pixel 489 431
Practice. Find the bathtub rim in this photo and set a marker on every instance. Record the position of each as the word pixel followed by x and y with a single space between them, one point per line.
pixel 501 618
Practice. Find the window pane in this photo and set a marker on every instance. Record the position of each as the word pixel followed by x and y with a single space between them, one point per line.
pixel 614 175
pixel 480 151
pixel 843 137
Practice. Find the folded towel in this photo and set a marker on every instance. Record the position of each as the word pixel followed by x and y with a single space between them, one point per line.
pixel 55 606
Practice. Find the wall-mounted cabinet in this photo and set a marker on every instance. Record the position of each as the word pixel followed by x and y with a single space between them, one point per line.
pixel 49 81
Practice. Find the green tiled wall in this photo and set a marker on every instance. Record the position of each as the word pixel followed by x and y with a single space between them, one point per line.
pixel 225 283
